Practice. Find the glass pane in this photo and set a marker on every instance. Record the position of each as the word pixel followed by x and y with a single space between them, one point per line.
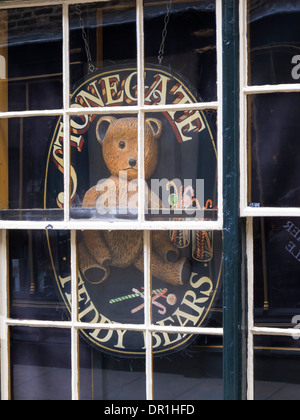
pixel 277 363
pixel 111 280
pixel 194 373
pixel 31 168
pixel 104 168
pixel 40 364
pixel 186 284
pixel 187 279
pixel 182 38
pixel 276 265
pixel 109 376
pixel 181 166
pixel 31 58
pixel 36 259
pixel 274 150
pixel 274 42
pixel 102 38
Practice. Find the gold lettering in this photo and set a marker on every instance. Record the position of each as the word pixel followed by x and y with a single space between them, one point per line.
pixel 157 93
pixel 201 282
pixel 111 85
pixel 182 97
pixel 189 123
pixel 87 311
pixel 59 161
pixel 82 292
pixel 121 334
pixel 129 99
pixel 63 282
pixel 183 317
pixel 157 343
pixel 86 99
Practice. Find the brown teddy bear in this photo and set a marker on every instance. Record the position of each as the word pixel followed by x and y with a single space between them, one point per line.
pixel 98 251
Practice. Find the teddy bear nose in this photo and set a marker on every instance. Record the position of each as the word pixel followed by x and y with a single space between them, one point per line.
pixel 132 162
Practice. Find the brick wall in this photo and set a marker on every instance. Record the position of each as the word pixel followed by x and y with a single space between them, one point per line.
pixel 34 24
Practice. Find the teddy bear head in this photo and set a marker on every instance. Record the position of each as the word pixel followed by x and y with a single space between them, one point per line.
pixel 119 141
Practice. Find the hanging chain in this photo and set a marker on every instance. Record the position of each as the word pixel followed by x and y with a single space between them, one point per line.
pixel 164 33
pixel 92 68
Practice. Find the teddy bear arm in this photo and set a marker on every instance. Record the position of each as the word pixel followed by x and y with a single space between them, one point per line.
pixel 163 246
pixel 97 247
pixel 91 269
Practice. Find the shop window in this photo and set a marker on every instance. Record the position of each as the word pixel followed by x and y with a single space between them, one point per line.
pixel 111 208
pixel 269 194
pixel 124 262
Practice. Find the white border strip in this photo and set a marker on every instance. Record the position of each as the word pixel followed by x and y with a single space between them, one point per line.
pixel 250 316
pixel 4 331
pixel 265 89
pixel 271 212
pixel 203 106
pixel 109 225
pixel 74 319
pixel 130 327
pixel 40 3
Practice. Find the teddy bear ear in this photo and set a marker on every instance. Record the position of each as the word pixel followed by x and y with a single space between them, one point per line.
pixel 156 127
pixel 102 127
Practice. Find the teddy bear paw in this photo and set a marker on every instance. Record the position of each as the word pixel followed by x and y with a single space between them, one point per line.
pixel 96 275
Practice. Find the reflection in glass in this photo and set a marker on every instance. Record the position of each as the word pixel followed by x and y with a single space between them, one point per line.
pixel 277 369
pixel 107 377
pixel 186 279
pixel 111 277
pixel 31 52
pixel 36 259
pixel 102 35
pixel 189 46
pixel 274 150
pixel 181 165
pixel 276 264
pixel 274 42
pixel 40 364
pixel 26 184
pixel 105 168
pixel 194 373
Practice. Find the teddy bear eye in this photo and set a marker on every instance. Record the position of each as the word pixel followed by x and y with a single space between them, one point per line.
pixel 122 145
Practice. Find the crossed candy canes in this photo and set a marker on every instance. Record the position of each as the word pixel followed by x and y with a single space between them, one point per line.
pixel 157 295
pixel 171 299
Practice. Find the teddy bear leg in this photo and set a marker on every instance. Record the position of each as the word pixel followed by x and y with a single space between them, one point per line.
pixel 176 274
pixel 163 246
pixel 93 272
pixel 97 247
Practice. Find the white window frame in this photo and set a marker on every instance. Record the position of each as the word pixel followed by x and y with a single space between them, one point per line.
pixel 247 90
pixel 73 226
pixel 248 212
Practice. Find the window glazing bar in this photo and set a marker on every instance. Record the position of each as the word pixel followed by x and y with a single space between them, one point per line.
pixel 4 330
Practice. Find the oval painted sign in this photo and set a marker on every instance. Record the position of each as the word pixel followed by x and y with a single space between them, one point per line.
pixel 186 266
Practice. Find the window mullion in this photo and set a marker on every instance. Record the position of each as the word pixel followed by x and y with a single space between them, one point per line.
pixel 250 292
pixel 141 198
pixel 4 329
pixel 148 314
pixel 141 115
pixel 66 118
pixel 74 316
